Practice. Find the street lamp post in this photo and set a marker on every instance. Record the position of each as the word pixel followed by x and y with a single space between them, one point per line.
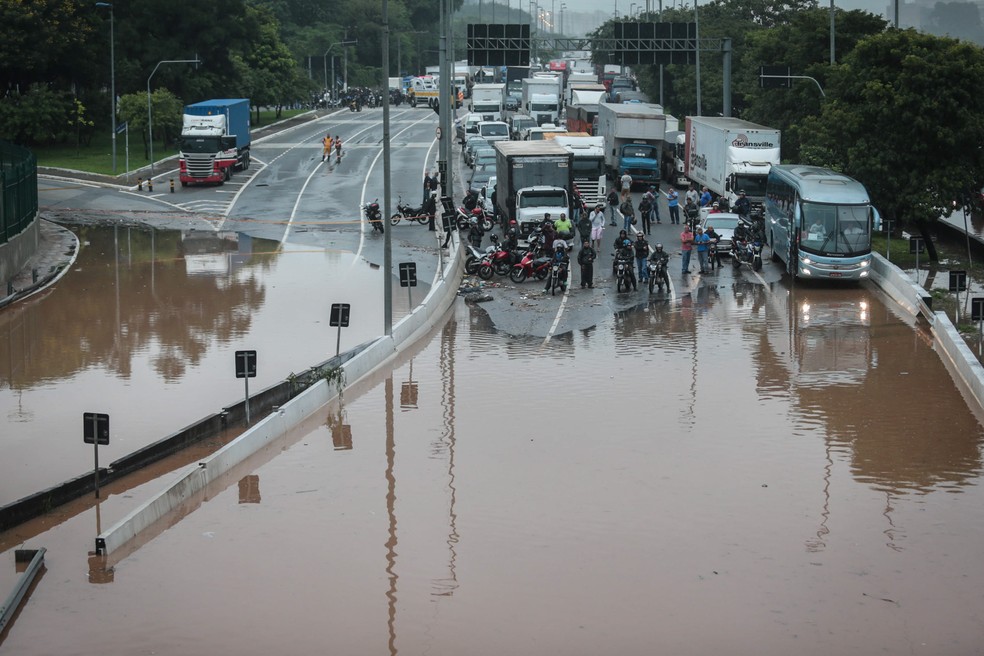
pixel 150 114
pixel 112 76
pixel 325 65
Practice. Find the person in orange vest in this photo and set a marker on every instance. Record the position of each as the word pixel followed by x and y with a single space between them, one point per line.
pixel 326 147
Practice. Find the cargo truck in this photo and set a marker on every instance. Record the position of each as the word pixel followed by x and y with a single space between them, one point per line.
pixel 634 136
pixel 489 101
pixel 534 178
pixel 729 155
pixel 215 140
pixel 514 79
pixel 541 99
pixel 588 166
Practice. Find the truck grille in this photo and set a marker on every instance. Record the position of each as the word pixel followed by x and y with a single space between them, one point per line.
pixel 200 165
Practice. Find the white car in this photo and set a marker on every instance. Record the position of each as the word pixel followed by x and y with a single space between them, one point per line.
pixel 724 224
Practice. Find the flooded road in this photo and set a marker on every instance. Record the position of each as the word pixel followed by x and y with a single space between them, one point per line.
pixel 145 327
pixel 747 470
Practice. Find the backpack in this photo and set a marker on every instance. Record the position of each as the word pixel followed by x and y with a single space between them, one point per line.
pixel 626 208
pixel 612 197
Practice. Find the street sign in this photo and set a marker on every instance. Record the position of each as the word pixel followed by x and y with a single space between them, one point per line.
pixel 339 315
pixel 916 245
pixel 95 428
pixel 958 281
pixel 408 274
pixel 121 127
pixel 245 364
pixel 775 77
pixel 977 308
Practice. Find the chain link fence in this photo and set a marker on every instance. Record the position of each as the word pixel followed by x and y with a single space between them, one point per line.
pixel 18 190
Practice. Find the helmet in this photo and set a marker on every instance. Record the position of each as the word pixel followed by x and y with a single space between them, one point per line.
pixel 659 248
pixel 511 232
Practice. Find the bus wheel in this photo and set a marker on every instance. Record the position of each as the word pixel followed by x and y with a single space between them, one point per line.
pixel 772 247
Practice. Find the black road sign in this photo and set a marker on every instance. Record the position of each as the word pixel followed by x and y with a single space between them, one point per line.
pixel 775 77
pixel 958 281
pixel 408 274
pixel 916 245
pixel 95 428
pixel 245 364
pixel 339 315
pixel 977 308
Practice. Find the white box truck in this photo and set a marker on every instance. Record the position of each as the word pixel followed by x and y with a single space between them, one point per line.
pixel 729 155
pixel 541 99
pixel 634 136
pixel 489 100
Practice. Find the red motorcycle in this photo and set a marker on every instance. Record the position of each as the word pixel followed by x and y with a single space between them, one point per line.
pixel 531 266
pixel 499 260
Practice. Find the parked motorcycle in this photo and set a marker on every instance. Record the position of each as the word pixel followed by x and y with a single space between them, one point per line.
pixel 404 211
pixel 463 218
pixel 657 275
pixel 530 266
pixel 373 215
pixel 474 259
pixel 498 259
pixel 558 277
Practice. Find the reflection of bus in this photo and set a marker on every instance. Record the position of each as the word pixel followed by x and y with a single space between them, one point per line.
pixel 819 222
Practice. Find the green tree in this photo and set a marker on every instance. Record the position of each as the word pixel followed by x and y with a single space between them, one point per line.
pixel 167 110
pixel 901 118
pixel 38 117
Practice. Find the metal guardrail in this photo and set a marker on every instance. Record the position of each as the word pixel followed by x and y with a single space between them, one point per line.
pixel 13 600
pixel 18 190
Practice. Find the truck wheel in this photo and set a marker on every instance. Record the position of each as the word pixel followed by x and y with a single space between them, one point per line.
pixel 184 184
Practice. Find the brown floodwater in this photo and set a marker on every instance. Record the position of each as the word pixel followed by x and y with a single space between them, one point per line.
pixel 747 470
pixel 145 328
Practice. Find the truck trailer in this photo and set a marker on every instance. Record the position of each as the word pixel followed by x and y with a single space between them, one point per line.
pixel 634 136
pixel 489 100
pixel 534 178
pixel 215 140
pixel 730 155
pixel 541 99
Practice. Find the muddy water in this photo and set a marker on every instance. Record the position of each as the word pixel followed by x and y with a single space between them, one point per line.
pixel 145 328
pixel 746 471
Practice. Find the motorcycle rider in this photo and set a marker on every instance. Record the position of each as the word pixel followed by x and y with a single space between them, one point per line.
pixel 471 200
pixel 559 256
pixel 549 233
pixel 743 207
pixel 659 255
pixel 641 248
pixel 475 233
pixel 563 227
pixel 715 239
pixel 624 255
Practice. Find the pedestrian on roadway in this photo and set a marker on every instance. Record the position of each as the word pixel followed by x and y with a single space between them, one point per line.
pixel 626 182
pixel 586 257
pixel 597 226
pixel 628 213
pixel 612 205
pixel 673 202
pixel 641 248
pixel 703 243
pixel 686 246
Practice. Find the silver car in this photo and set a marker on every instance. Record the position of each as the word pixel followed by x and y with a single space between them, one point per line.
pixel 724 224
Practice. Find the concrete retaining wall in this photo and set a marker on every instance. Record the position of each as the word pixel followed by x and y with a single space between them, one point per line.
pixel 16 252
pixel 958 357
pixel 375 355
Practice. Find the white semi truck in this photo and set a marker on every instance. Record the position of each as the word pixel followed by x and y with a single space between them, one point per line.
pixel 730 155
pixel 541 99
pixel 489 100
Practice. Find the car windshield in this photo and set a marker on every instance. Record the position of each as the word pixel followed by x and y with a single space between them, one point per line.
pixel 721 222
pixel 495 130
pixel 542 199
pixel 542 107
pixel 835 229
pixel 643 151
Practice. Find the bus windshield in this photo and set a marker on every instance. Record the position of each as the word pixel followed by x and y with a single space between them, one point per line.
pixel 835 229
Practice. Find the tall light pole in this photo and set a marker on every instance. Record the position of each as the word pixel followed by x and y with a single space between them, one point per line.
pixel 563 6
pixel 387 237
pixel 325 65
pixel 831 32
pixel 112 76
pixel 150 114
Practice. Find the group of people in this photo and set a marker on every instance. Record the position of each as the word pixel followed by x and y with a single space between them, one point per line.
pixel 329 143
pixel 703 241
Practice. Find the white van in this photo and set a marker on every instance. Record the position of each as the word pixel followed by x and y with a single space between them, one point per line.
pixel 494 130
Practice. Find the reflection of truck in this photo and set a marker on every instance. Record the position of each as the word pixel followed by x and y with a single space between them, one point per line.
pixel 215 140
pixel 633 137
pixel 728 155
pixel 533 179
pixel 541 99
pixel 489 101
pixel 588 165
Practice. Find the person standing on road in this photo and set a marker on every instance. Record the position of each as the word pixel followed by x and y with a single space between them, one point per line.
pixel 338 149
pixel 430 185
pixel 586 257
pixel 584 227
pixel 645 213
pixel 628 213
pixel 673 202
pixel 597 226
pixel 692 195
pixel 703 246
pixel 326 147
pixel 641 248
pixel 743 207
pixel 686 246
pixel 612 205
pixel 626 182
pixel 705 197
pixel 653 194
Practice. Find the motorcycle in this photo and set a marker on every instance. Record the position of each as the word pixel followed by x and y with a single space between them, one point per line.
pixel 404 211
pixel 373 215
pixel 624 276
pixel 746 248
pixel 657 275
pixel 463 218
pixel 558 277
pixel 473 261
pixel 498 259
pixel 354 106
pixel 530 266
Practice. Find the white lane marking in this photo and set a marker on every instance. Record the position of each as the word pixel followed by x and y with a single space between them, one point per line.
pixel 560 310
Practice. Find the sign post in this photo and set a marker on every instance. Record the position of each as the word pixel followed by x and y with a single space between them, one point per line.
pixel 977 314
pixel 339 317
pixel 916 246
pixel 246 369
pixel 95 431
pixel 408 279
pixel 958 283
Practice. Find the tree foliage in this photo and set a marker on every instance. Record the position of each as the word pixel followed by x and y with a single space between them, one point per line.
pixel 901 118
